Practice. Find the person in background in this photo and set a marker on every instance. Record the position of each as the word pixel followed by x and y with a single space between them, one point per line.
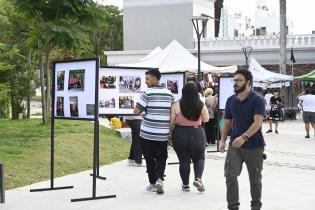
pixel 135 154
pixel 308 104
pixel 246 110
pixel 201 92
pixel 156 101
pixel 188 136
pixel 267 97
pixel 210 126
pixel 275 112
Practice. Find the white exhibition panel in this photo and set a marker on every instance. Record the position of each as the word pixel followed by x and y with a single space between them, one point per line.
pixel 174 80
pixel 75 83
pixel 226 89
pixel 121 96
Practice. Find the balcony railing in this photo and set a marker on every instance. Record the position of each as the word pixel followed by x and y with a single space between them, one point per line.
pixel 257 42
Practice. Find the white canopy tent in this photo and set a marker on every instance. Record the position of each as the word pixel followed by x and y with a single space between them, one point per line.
pixel 260 74
pixel 153 53
pixel 175 58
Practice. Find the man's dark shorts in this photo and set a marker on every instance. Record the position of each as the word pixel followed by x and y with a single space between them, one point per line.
pixel 309 117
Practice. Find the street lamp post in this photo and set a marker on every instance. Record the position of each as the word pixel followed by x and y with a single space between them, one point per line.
pixel 247 50
pixel 195 20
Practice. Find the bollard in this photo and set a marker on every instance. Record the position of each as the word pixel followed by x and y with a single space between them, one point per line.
pixel 1 183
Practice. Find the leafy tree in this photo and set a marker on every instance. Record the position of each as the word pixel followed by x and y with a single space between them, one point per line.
pixel 55 24
pixel 107 33
pixel 18 77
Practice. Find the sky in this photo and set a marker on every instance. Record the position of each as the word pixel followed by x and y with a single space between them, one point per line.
pixel 301 12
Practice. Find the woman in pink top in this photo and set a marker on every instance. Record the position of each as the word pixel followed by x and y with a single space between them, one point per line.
pixel 187 135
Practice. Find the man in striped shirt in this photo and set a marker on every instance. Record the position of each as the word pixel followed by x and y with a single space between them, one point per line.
pixel 156 101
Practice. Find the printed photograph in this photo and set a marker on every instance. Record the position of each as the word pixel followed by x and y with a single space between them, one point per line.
pixel 60 80
pixel 76 80
pixel 172 85
pixel 90 109
pixel 74 108
pixel 129 84
pixel 107 82
pixel 60 112
pixel 126 102
pixel 107 103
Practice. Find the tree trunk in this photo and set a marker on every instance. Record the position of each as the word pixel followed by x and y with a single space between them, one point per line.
pixel 42 82
pixel 28 115
pixel 48 80
pixel 28 98
pixel 14 109
pixel 283 41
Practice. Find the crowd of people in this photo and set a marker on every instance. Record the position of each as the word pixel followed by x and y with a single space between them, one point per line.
pixel 189 125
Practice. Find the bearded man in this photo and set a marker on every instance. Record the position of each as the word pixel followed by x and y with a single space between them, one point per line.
pixel 244 114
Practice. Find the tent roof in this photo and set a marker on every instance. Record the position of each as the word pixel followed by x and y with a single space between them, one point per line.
pixel 307 77
pixel 260 74
pixel 153 53
pixel 175 58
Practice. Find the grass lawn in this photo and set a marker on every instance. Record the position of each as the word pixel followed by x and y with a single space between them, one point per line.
pixel 25 149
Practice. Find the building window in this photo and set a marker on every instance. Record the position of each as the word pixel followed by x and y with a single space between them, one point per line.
pixel 263 31
pixel 257 31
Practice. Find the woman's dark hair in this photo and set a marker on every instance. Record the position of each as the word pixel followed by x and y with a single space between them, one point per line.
pixel 154 72
pixel 190 103
pixel 247 74
pixel 275 91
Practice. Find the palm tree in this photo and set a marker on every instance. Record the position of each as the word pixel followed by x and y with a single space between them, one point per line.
pixel 283 40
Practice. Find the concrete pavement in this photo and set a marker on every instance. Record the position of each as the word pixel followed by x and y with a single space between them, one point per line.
pixel 288 182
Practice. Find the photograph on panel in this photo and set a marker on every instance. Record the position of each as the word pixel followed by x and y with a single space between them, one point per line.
pixel 60 107
pixel 74 107
pixel 108 82
pixel 76 80
pixel 126 102
pixel 90 109
pixel 172 85
pixel 129 84
pixel 60 80
pixel 107 102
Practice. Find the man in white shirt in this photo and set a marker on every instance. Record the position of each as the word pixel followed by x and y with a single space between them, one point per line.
pixel 308 104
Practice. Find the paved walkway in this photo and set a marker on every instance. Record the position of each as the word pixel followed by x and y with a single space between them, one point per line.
pixel 288 182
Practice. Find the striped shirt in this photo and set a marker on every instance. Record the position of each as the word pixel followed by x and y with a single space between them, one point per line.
pixel 156 102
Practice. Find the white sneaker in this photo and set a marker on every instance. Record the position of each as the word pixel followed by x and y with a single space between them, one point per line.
pixel 197 183
pixel 131 162
pixel 137 164
pixel 151 188
pixel 159 186
pixel 185 188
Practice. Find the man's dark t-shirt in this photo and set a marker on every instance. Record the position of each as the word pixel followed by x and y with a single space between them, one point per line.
pixel 242 115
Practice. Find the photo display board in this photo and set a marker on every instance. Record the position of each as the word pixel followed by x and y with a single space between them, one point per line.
pixel 75 89
pixel 120 89
pixel 174 82
pixel 226 89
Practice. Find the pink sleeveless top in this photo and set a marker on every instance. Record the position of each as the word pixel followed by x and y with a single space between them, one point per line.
pixel 181 120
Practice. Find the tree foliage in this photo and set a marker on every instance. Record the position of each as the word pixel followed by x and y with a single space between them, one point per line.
pixel 54 30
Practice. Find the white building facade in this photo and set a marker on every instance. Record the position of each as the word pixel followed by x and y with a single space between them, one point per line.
pixel 151 23
pixel 266 22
